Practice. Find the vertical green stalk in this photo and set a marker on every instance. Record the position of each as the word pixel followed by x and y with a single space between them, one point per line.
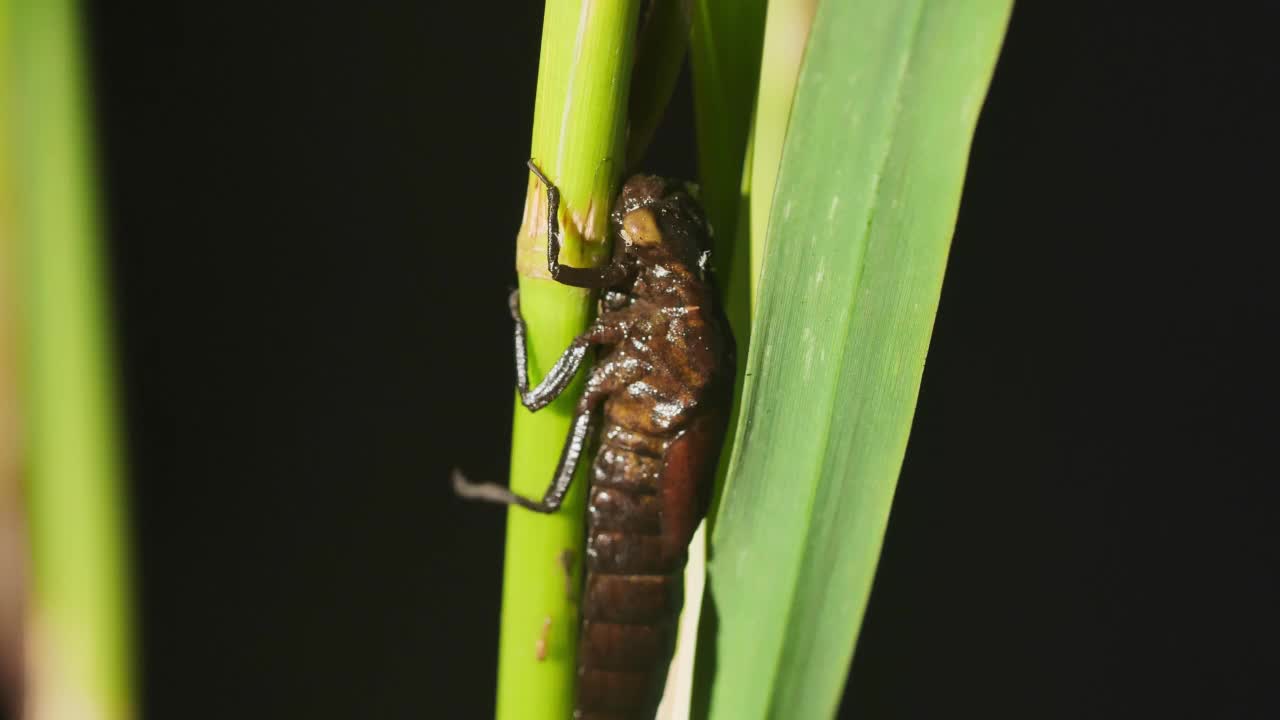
pixel 785 35
pixel 660 51
pixel 724 53
pixel 13 584
pixel 578 141
pixel 725 58
pixel 786 29
pixel 79 664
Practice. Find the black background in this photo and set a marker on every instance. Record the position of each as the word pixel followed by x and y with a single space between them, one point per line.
pixel 311 212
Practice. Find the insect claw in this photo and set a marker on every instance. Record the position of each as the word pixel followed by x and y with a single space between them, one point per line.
pixel 488 492
pixel 494 493
pixel 533 167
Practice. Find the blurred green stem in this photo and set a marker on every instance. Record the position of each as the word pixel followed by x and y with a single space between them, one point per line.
pixel 13 549
pixel 660 51
pixel 79 662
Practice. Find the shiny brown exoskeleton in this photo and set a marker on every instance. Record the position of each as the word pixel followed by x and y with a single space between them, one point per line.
pixel 663 380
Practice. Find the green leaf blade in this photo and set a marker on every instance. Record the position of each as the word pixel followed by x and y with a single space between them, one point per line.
pixel 867 196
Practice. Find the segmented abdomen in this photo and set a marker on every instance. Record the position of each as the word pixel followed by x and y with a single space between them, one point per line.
pixel 634 582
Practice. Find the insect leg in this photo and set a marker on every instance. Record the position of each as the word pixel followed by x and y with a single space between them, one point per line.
pixel 594 277
pixel 562 372
pixel 569 456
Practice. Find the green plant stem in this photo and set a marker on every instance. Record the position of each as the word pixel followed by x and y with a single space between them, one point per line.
pixel 785 35
pixel 578 141
pixel 13 547
pixel 664 37
pixel 724 52
pixel 725 59
pixel 79 621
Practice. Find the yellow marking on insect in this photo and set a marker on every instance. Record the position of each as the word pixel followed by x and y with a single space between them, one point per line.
pixel 640 227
